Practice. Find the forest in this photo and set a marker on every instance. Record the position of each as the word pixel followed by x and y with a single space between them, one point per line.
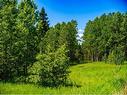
pixel 33 52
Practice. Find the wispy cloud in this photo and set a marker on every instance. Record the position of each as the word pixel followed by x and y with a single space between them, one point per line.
pixel 80 31
pixel 80 35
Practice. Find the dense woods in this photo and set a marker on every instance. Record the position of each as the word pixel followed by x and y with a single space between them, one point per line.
pixel 105 38
pixel 32 51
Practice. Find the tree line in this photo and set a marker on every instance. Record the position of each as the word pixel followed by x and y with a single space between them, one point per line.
pixel 105 38
pixel 33 51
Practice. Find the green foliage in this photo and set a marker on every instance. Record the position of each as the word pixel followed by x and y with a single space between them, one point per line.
pixel 111 58
pixel 41 28
pixel 51 69
pixel 96 78
pixel 25 47
pixel 104 34
pixel 17 38
pixel 25 32
pixel 62 33
pixel 34 73
pixel 117 56
pixel 8 13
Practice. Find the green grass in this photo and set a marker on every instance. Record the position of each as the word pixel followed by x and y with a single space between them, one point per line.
pixel 92 78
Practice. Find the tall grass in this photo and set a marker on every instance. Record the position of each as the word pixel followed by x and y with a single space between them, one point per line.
pixel 93 78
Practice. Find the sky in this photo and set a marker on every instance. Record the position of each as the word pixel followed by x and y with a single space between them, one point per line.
pixel 80 10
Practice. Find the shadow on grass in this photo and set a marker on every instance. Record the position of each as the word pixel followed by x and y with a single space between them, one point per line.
pixel 66 84
pixel 71 83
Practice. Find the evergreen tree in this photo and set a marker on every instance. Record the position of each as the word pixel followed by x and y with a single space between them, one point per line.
pixel 42 27
pixel 26 32
pixel 8 15
pixel 104 34
pixel 62 33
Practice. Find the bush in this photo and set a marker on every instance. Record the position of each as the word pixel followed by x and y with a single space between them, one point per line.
pixel 117 56
pixel 51 69
pixel 34 73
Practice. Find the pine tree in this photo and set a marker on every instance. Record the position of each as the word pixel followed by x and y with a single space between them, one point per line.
pixel 42 28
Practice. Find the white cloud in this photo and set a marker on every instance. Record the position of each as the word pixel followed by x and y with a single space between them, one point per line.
pixel 80 35
pixel 80 30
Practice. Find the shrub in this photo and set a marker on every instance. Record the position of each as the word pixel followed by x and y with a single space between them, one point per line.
pixel 117 56
pixel 34 73
pixel 51 69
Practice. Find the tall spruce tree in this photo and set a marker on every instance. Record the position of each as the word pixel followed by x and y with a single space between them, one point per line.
pixel 42 28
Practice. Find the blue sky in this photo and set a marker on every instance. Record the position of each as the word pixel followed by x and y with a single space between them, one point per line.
pixel 80 10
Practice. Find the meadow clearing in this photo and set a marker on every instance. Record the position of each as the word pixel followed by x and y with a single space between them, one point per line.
pixel 93 78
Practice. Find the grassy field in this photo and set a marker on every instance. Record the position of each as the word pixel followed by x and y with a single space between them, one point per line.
pixel 92 78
